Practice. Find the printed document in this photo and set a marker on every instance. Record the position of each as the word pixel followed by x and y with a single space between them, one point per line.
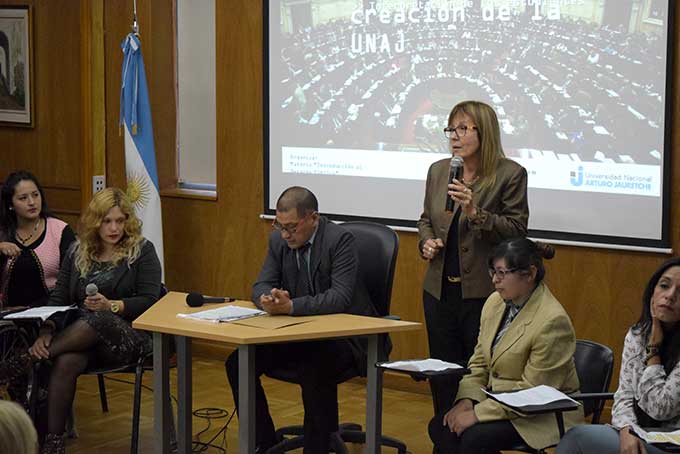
pixel 538 395
pixel 41 312
pixel 421 365
pixel 228 313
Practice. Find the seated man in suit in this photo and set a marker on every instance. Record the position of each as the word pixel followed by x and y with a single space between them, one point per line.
pixel 311 268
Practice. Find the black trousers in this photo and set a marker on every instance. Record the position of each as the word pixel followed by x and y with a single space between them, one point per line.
pixel 482 438
pixel 318 366
pixel 452 331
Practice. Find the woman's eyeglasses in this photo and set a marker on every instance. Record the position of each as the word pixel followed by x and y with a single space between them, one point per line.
pixel 501 273
pixel 459 131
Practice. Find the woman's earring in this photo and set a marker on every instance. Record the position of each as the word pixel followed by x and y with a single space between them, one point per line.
pixel 11 208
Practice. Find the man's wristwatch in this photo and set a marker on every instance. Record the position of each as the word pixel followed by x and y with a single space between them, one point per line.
pixel 115 307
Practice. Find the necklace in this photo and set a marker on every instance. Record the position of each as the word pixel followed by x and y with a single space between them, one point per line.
pixel 468 184
pixel 28 238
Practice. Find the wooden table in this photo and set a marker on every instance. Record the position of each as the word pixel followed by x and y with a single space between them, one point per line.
pixel 161 319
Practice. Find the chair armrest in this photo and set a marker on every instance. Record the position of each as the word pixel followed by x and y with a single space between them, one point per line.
pixel 583 397
pixel 391 317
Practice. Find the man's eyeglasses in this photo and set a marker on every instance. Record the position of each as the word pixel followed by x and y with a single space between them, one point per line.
pixel 501 273
pixel 292 227
pixel 459 131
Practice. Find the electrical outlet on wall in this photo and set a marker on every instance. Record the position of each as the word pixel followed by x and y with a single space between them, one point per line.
pixel 98 183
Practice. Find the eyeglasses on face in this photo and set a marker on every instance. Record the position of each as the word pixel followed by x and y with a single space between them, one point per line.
pixel 291 228
pixel 501 273
pixel 459 131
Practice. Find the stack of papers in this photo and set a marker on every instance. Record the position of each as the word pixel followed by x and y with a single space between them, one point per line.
pixel 41 312
pixel 223 314
pixel 421 365
pixel 538 395
pixel 657 437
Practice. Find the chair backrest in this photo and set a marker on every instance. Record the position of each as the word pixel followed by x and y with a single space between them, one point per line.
pixel 377 246
pixel 594 365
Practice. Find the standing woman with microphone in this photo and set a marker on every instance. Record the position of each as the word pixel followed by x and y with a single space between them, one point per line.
pixel 490 205
pixel 113 275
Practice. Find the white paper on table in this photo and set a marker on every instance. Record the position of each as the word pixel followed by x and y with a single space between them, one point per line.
pixel 228 313
pixel 422 365
pixel 538 395
pixel 41 312
pixel 657 437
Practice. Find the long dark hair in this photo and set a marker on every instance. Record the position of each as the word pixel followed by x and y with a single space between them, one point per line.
pixel 521 254
pixel 8 217
pixel 670 350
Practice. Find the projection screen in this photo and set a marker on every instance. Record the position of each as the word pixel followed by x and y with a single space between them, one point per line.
pixel 357 94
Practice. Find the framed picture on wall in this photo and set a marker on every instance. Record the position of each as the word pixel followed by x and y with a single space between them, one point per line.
pixel 16 66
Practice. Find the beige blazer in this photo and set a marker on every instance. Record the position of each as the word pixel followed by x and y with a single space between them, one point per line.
pixel 538 348
pixel 503 210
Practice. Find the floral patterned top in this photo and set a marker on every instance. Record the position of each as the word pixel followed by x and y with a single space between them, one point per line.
pixel 656 393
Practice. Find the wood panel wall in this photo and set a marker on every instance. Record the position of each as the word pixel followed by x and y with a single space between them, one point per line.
pixel 52 147
pixel 217 246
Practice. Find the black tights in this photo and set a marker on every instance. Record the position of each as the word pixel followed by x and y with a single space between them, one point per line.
pixel 70 351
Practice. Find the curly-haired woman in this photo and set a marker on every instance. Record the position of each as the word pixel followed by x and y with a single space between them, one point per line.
pixel 112 254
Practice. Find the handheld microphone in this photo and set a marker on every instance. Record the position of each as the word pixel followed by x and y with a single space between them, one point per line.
pixel 455 173
pixel 198 300
pixel 91 289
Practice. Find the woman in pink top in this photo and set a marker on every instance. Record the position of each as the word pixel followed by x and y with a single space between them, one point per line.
pixel 32 242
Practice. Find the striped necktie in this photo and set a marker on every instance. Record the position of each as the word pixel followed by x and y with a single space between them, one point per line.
pixel 512 312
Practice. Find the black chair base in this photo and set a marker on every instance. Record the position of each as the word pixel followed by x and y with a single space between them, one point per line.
pixel 348 433
pixel 297 441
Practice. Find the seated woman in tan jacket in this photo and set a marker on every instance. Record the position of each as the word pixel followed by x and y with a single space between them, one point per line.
pixel 526 339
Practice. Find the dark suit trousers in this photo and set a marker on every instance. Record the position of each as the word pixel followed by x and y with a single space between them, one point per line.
pixel 452 331
pixel 319 366
pixel 482 438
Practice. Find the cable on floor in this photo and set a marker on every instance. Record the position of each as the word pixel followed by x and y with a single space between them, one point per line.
pixel 207 413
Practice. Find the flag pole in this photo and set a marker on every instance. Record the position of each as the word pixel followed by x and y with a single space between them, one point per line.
pixel 135 28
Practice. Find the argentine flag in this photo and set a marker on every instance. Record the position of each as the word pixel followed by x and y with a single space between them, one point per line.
pixel 140 157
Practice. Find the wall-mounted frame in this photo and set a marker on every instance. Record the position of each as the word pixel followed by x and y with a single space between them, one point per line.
pixel 16 66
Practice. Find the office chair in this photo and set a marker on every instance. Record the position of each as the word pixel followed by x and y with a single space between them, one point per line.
pixel 594 364
pixel 377 247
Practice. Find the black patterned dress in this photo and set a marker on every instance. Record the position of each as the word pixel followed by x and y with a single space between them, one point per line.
pixel 119 343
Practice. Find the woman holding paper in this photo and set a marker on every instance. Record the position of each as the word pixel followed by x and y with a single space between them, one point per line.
pixel 649 383
pixel 526 339
pixel 113 255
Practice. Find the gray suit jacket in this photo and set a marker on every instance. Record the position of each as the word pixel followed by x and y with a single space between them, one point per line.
pixel 334 270
pixel 505 213
pixel 138 285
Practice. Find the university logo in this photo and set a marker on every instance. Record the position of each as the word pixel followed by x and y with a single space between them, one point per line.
pixel 577 177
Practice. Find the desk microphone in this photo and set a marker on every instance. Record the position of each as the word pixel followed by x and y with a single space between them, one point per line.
pixel 91 289
pixel 198 300
pixel 455 172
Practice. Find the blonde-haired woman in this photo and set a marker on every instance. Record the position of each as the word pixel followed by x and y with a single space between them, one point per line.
pixel 490 205
pixel 17 434
pixel 112 254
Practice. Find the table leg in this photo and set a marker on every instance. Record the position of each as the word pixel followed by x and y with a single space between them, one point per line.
pixel 161 393
pixel 560 423
pixel 246 397
pixel 184 394
pixel 373 398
